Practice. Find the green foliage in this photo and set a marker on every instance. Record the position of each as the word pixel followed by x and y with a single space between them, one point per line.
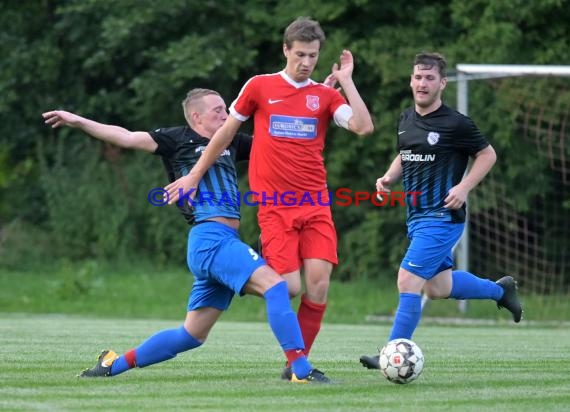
pixel 131 63
pixel 102 210
pixel 24 246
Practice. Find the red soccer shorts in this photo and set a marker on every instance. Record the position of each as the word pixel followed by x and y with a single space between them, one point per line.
pixel 290 234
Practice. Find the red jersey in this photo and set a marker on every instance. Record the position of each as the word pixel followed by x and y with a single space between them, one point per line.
pixel 290 125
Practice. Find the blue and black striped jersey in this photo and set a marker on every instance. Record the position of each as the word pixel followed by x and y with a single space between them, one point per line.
pixel 435 149
pixel 217 194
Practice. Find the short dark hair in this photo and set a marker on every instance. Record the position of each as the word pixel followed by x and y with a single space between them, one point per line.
pixel 303 29
pixel 431 59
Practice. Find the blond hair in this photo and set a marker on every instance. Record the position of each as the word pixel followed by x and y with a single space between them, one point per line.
pixel 194 102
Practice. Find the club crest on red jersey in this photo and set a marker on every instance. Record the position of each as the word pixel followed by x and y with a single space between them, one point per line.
pixel 313 102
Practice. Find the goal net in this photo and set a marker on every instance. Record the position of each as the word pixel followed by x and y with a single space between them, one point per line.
pixel 519 221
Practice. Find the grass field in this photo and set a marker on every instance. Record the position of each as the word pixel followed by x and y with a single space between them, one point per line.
pixel 501 368
pixel 105 290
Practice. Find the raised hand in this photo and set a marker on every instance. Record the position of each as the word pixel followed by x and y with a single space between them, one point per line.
pixel 330 81
pixel 344 70
pixel 57 118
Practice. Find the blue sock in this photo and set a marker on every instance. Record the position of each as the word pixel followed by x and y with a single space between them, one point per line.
pixel 119 366
pixel 282 319
pixel 301 367
pixel 159 347
pixel 468 286
pixel 285 327
pixel 407 316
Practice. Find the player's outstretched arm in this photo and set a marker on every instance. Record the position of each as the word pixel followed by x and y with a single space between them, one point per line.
pixel 115 135
pixel 221 139
pixel 361 121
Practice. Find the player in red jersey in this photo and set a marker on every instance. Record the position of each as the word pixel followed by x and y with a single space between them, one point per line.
pixel 291 114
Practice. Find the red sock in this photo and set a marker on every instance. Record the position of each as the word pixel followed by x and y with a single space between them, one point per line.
pixel 310 316
pixel 131 358
pixel 293 354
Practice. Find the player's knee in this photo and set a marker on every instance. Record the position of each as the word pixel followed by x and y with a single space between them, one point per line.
pixel 294 289
pixel 403 285
pixel 318 279
pixel 431 295
pixel 434 292
pixel 409 282
pixel 199 334
pixel 294 285
pixel 318 289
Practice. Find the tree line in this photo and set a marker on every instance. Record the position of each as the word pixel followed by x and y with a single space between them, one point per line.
pixel 131 62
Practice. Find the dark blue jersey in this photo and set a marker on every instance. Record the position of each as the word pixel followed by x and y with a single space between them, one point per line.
pixel 217 194
pixel 435 149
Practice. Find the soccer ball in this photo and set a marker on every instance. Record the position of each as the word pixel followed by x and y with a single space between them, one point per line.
pixel 401 361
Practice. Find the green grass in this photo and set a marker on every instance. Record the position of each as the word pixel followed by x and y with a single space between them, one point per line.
pixel 104 290
pixel 467 369
pixel 53 322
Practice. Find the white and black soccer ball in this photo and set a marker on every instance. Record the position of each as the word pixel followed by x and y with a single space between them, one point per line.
pixel 401 361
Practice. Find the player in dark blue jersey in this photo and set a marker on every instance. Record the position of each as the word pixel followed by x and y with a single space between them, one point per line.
pixel 435 143
pixel 221 263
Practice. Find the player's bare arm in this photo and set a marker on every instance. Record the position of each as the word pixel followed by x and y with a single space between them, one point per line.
pixel 221 139
pixel 115 135
pixel 361 121
pixel 392 175
pixel 484 161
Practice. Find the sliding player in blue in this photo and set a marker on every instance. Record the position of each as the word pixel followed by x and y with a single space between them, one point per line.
pixel 435 143
pixel 221 263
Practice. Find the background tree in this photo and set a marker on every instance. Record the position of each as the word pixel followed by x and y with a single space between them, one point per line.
pixel 131 63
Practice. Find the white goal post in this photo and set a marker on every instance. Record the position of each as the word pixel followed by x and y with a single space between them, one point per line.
pixel 464 74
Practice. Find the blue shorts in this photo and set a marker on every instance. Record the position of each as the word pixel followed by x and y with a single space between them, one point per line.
pixel 221 263
pixel 431 247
